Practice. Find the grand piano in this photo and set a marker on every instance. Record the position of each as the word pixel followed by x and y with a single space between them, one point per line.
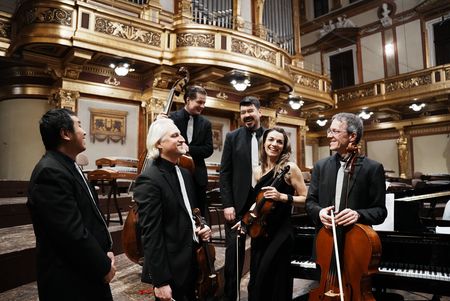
pixel 414 257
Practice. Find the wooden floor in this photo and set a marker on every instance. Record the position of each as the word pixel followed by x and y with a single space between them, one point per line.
pixel 126 285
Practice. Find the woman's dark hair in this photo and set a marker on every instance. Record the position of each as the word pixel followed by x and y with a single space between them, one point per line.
pixel 284 155
pixel 51 124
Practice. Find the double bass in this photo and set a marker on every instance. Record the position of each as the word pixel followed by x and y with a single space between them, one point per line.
pixel 131 234
pixel 347 256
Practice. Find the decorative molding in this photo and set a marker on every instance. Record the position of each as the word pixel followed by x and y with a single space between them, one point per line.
pixel 48 15
pixel 253 50
pixel 408 83
pixel 357 94
pixel 127 32
pixel 195 40
pixel 112 81
pixel 306 81
pixel 5 30
pixel 66 99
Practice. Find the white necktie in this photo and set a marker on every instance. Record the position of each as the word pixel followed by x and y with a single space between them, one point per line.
pixel 339 182
pixel 255 159
pixel 186 201
pixel 190 128
pixel 92 198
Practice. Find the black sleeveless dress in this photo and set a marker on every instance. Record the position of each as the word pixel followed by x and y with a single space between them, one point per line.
pixel 270 277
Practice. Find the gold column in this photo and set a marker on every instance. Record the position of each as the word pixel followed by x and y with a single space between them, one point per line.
pixel 183 11
pixel 238 22
pixel 66 99
pixel 258 10
pixel 301 146
pixel 403 154
pixel 297 58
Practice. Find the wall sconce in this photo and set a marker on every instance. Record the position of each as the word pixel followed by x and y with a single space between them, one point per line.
pixel 365 115
pixel 295 102
pixel 121 69
pixel 321 122
pixel 416 107
pixel 240 84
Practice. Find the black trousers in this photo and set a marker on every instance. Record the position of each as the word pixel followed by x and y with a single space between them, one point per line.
pixel 231 274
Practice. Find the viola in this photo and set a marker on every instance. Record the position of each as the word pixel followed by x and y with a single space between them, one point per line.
pixel 131 234
pixel 208 280
pixel 254 221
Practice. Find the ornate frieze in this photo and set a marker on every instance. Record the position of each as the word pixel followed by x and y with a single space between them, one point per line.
pixel 253 50
pixel 5 30
pixel 127 32
pixel 112 81
pixel 306 81
pixel 195 40
pixel 48 15
pixel 356 94
pixel 408 83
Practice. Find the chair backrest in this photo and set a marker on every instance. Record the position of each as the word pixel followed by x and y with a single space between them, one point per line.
pixel 446 215
pixel 82 160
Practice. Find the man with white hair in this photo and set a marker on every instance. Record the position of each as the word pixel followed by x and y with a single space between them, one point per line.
pixel 165 195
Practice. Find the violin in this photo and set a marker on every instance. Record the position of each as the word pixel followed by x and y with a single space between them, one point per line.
pixel 131 234
pixel 208 280
pixel 347 256
pixel 254 221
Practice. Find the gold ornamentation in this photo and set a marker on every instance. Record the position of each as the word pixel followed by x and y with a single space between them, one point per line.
pixel 5 30
pixel 127 32
pixel 253 50
pixel 408 83
pixel 356 94
pixel 112 81
pixel 50 15
pixel 402 145
pixel 307 81
pixel 109 125
pixel 195 40
pixel 66 99
pixel 222 95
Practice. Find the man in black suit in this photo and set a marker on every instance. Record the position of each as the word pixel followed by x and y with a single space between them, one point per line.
pixel 364 199
pixel 200 145
pixel 165 195
pixel 236 175
pixel 73 244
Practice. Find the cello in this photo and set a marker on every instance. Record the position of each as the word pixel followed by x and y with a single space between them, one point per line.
pixel 131 233
pixel 208 280
pixel 360 248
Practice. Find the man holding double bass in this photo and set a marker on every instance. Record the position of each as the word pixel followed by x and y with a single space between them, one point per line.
pixel 165 196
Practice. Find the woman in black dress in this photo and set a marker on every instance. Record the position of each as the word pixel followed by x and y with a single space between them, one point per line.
pixel 270 277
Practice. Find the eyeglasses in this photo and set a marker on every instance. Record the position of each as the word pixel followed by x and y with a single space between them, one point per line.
pixel 334 132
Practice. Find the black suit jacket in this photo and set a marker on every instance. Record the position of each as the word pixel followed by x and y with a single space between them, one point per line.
pixel 71 235
pixel 366 194
pixel 201 146
pixel 165 223
pixel 236 169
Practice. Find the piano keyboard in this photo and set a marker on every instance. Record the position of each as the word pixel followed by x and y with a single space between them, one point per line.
pixel 304 264
pixel 416 273
pixel 437 274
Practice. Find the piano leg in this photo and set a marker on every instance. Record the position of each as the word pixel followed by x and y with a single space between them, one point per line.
pixel 436 298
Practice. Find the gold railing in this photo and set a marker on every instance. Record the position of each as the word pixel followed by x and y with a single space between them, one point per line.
pixel 418 84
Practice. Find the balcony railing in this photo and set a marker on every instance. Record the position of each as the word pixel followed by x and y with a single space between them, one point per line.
pixel 401 87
